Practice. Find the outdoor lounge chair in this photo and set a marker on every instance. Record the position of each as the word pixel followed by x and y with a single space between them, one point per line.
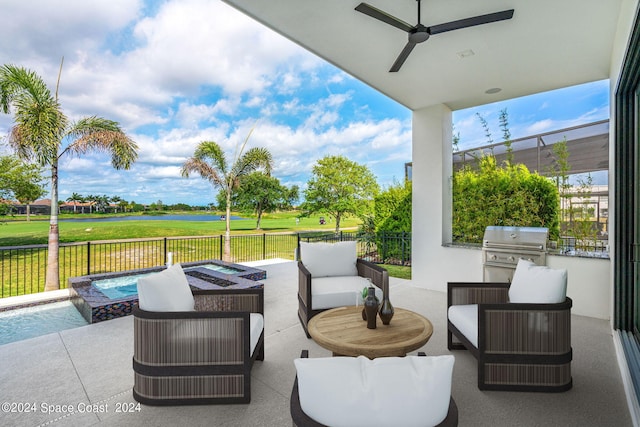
pixel 330 275
pixel 520 333
pixel 408 391
pixel 195 348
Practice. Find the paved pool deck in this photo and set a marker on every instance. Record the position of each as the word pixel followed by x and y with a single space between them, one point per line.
pixel 84 376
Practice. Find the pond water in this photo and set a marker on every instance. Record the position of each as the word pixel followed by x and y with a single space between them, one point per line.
pixel 153 218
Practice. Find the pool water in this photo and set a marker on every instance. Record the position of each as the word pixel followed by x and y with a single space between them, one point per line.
pixel 119 287
pixel 127 286
pixel 30 322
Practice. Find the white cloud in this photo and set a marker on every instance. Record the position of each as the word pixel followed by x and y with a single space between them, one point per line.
pixel 541 126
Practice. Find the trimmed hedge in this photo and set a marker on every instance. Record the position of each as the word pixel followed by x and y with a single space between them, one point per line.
pixel 506 195
pixel 392 209
pixel 392 219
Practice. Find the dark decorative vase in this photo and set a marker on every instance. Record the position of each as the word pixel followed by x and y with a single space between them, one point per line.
pixel 386 309
pixel 371 308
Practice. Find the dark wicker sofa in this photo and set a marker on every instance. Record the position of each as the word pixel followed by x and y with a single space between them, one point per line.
pixel 198 357
pixel 521 347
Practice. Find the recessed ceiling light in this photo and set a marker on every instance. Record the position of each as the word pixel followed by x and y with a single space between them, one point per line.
pixel 465 53
pixel 492 90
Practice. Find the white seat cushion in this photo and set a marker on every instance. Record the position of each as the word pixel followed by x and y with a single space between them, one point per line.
pixel 388 391
pixel 331 292
pixel 256 325
pixel 329 259
pixel 167 290
pixel 535 284
pixel 465 319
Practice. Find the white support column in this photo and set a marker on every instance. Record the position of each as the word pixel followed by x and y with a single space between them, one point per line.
pixel 432 263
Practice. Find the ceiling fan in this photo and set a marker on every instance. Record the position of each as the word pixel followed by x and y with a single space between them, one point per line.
pixel 419 33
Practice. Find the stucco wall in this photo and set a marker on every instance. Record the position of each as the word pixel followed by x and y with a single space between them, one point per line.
pixel 589 284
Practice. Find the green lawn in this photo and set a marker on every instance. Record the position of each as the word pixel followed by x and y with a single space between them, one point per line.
pixel 399 271
pixel 20 232
pixel 15 231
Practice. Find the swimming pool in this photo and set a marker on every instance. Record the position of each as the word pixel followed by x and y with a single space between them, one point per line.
pixel 126 286
pixel 30 322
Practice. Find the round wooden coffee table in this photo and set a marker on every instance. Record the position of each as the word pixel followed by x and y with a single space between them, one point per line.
pixel 343 331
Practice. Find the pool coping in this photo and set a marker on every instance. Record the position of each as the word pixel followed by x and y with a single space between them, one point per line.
pixel 32 300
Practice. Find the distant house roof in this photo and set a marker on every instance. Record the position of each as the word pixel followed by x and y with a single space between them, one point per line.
pixel 77 204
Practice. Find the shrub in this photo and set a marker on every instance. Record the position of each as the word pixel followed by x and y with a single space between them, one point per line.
pixel 392 219
pixel 393 209
pixel 506 195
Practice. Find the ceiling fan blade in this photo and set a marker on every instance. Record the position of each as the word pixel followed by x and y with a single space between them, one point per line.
pixel 402 57
pixel 383 16
pixel 471 22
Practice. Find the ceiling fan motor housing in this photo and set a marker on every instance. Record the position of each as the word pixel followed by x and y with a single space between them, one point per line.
pixel 419 34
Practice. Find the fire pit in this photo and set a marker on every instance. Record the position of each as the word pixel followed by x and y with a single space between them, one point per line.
pixel 106 296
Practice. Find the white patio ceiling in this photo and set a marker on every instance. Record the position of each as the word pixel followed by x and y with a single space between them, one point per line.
pixel 547 44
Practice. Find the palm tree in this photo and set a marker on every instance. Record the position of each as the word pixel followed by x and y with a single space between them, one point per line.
pixel 211 164
pixel 120 203
pixel 75 198
pixel 42 132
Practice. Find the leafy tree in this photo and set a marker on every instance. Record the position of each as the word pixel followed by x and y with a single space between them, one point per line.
pixel 291 197
pixel 338 187
pixel 21 181
pixel 136 207
pixel 42 132
pixel 210 162
pixel 5 209
pixel 259 193
pixel 27 192
pixel 181 207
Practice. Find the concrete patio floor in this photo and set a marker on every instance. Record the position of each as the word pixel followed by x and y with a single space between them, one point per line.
pixel 89 369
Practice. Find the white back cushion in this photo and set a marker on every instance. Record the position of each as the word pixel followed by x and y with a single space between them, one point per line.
pixel 329 259
pixel 387 391
pixel 537 284
pixel 167 290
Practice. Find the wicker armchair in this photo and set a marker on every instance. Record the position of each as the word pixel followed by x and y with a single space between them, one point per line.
pixel 202 356
pixel 301 419
pixel 306 309
pixel 520 346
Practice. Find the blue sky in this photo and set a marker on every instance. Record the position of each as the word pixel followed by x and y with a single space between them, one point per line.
pixel 178 72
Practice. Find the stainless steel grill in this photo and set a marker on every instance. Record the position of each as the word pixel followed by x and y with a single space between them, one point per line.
pixel 502 247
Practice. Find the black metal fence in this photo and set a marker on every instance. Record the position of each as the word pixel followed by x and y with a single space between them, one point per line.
pixel 381 248
pixel 23 268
